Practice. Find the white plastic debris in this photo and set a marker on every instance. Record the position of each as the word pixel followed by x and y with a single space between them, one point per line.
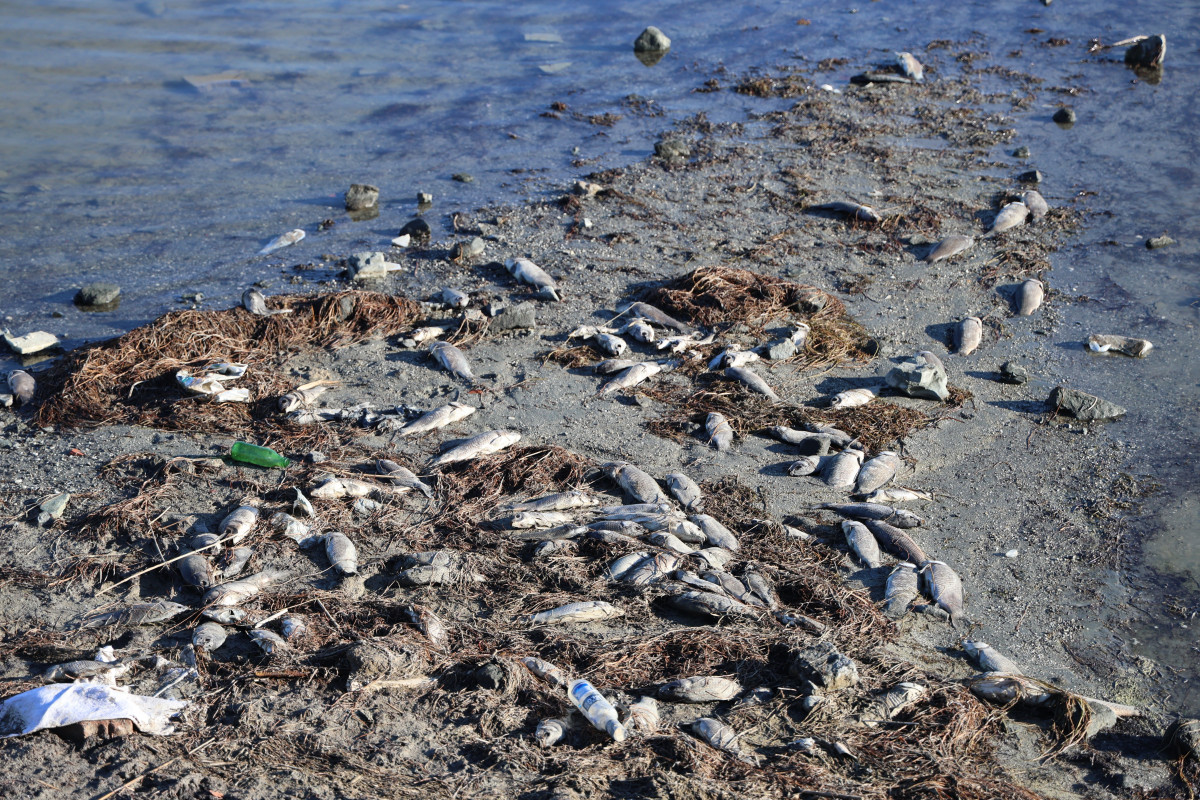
pixel 211 382
pixel 31 342
pixel 57 705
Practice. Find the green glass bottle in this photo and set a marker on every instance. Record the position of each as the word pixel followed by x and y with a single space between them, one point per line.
pixel 262 456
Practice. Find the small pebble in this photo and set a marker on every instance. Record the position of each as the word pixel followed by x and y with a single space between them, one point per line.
pixel 1012 553
pixel 1065 116
pixel 1159 241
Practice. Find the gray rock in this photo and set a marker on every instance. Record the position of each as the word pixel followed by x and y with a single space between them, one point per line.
pixel 52 509
pixel 652 40
pixel 1021 152
pixel 361 196
pixel 672 149
pixel 1103 717
pixel 1013 373
pixel 1065 116
pixel 490 676
pixel 1149 52
pixel 1033 176
pixel 467 250
pixel 1159 241
pixel 98 294
pixel 779 350
pixel 822 664
pixel 317 457
pixel 424 199
pixel 463 177
pixel 1083 406
pixel 418 229
pixel 918 378
pixel 522 315
pixel 1183 737
pixel 369 265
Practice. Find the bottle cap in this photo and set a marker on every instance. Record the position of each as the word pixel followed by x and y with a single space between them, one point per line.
pixel 616 730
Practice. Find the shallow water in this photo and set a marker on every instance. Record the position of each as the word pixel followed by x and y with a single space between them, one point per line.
pixel 114 168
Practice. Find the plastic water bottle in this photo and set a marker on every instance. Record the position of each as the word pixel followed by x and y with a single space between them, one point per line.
pixel 596 708
pixel 262 456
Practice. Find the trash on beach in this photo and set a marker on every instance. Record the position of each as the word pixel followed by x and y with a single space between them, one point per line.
pixel 596 708
pixel 30 343
pixel 289 238
pixel 1125 345
pixel 57 706
pixel 210 382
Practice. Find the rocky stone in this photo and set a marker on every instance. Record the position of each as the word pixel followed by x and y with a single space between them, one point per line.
pixel 361 196
pixel 463 177
pixel 918 378
pixel 1011 372
pixel 52 509
pixel 490 676
pixel 652 40
pixel 1149 52
pixel 1183 737
pixel 1159 241
pixel 30 343
pixel 1021 152
pixel 1065 116
pixel 1033 176
pixel 424 199
pixel 672 150
pixel 822 664
pixel 1083 406
pixel 98 294
pixel 463 251
pixel 316 457
pixel 779 350
pixel 522 315
pixel 493 308
pixel 369 265
pixel 417 229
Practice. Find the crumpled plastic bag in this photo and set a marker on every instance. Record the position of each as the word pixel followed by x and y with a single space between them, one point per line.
pixel 58 705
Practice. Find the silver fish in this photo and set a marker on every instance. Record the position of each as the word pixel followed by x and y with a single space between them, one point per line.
pixel 807 465
pixel 711 604
pixel 643 716
pixel 841 469
pixel 637 484
pixel 136 614
pixel 634 510
pixel 588 611
pixel 481 444
pixel 728 585
pixel 240 522
pixel 792 436
pixel 945 587
pixel 997 687
pixel 429 624
pixel 195 569
pixel 720 433
pixel 452 360
pixel 22 385
pixel 333 488
pixel 549 548
pixel 631 377
pixel 1012 215
pixel 402 476
pixel 453 298
pixel 254 302
pixel 851 209
pixel 439 417
pixel 894 516
pixel 719 736
pixel 897 494
pixel 762 588
pixel 852 398
pixel 1104 343
pixel 893 701
pixel 562 501
pixel 235 561
pixel 685 490
pixel 669 541
pixel 988 659
pixel 1036 204
pixel 530 273
pixel 539 519
pixel 209 636
pixel 301 397
pixel 655 315
pixel 546 671
pixel 610 365
pixel 968 335
pixel 896 541
pixel 269 642
pixel 901 591
pixel 343 555
pixel 237 592
pixel 876 472
pixel 715 533
pixel 650 570
pixel 752 381
pixel 687 531
pixel 639 329
pixel 610 343
pixel 225 616
pixel 293 627
pixel 910 66
pixel 703 689
pixel 733 358
pixel 1029 297
pixel 283 240
pixel 799 334
pixel 88 670
pixel 619 567
pixel 863 543
pixel 712 557
pixel 550 732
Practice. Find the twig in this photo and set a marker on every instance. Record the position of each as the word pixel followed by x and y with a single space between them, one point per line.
pixel 137 778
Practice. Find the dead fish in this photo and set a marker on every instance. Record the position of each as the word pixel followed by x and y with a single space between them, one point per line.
pixel 619 567
pixel 1004 689
pixel 687 531
pixel 897 494
pixel 1103 343
pixel 669 541
pixel 136 614
pixel 792 436
pixel 87 670
pixel 876 472
pixel 550 732
pixel 841 469
pixel 611 344
pixel 988 659
pixel 655 315
pixel 292 528
pixel 945 587
pixel 562 501
pixel 852 398
pixel 720 736
pixel 896 541
pixel 719 431
pixel 293 627
pixel 289 238
pixel 712 557
pixel 968 335
pixel 531 274
pixel 424 334
pixel 862 543
pixel 610 365
pixel 752 381
pixel 1033 200
pixel 892 702
pixel 22 385
pixel 235 561
pixel 429 624
pixel 481 444
pixel 715 533
pixel 761 588
pixel 631 377
pixel 588 611
pixel 546 671
pixel 899 517
pixel 208 636
pixel 225 616
pixel 268 641
pixel 195 569
pixel 711 604
pixel 799 334
pixel 439 417
pixel 851 209
pixel 402 476
pixel 240 522
pixel 910 66
pixel 1145 51
pixel 685 490
pixel 539 519
pixel 949 247
pixel 453 298
pixel 1029 297
pixel 901 590
pixel 452 360
pixel 302 396
pixel 1010 216
pixel 333 488
pixel 637 484
pixel 650 570
pixel 549 548
pixel 639 329
pixel 254 302
pixel 237 592
pixel 807 465
pixel 733 358
pixel 643 716
pixel 343 556
pixel 700 690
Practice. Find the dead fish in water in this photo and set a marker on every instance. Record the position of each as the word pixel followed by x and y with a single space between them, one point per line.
pixel 852 398
pixel 195 569
pixel 1029 297
pixel 88 670
pixel 968 335
pixel 1103 343
pixel 901 591
pixel 254 302
pixel 1012 215
pixel 588 611
pixel 1036 204
pixel 988 659
pixel 241 521
pixel 720 736
pixel 719 431
pixel 304 395
pixel 863 543
pixel 752 381
pixel 402 476
pixel 896 541
pixel 897 494
pixel 546 671
pixel 530 273
pixel 733 358
pixel 950 247
pixel 910 66
pixel 899 517
pixel 268 641
pixel 208 636
pixel 439 417
pixel 235 561
pixel 631 377
pixel 685 490
pixel 639 329
pixel 636 483
pixel 841 469
pixel 850 209
pixel 429 624
pixel 452 360
pixel 482 444
pixel 453 298
pixel 562 501
pixel 137 614
pixel 610 365
pixel 343 555
pixel 279 242
pixel 876 472
pixel 22 385
pixel 715 533
pixel 643 716
pixel 700 690
pixel 237 592
pixel 945 587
